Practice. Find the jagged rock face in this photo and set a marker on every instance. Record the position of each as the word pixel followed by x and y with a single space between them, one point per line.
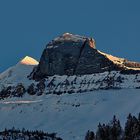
pixel 72 55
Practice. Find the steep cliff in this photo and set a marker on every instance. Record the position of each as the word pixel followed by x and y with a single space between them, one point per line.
pixel 76 55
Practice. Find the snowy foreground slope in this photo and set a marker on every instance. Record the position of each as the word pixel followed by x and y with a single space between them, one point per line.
pixel 69 115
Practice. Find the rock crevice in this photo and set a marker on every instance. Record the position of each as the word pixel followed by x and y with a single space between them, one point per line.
pixel 81 50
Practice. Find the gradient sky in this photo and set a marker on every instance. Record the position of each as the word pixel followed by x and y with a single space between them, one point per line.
pixel 26 26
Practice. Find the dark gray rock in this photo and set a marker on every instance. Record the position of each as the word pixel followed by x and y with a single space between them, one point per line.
pixel 73 55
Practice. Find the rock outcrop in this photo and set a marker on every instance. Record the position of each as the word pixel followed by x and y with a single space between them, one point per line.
pixel 77 55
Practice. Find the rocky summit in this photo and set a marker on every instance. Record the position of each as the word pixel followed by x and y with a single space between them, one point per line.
pixel 71 54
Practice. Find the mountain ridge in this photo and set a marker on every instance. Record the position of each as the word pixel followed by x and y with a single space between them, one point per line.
pixel 71 54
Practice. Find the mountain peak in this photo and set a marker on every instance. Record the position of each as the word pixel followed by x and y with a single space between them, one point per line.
pixel 65 34
pixel 69 37
pixel 27 60
pixel 71 54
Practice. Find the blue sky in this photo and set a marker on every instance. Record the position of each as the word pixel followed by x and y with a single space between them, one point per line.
pixel 26 26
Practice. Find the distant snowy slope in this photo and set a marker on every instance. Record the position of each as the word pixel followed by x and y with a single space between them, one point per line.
pixel 29 61
pixel 19 72
pixel 69 115
pixel 122 62
pixel 114 59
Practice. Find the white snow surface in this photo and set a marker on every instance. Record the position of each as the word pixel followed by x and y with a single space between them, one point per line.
pixel 18 73
pixel 69 115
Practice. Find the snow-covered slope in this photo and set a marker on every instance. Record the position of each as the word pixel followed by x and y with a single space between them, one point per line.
pixel 122 62
pixel 69 115
pixel 71 84
pixel 18 73
pixel 114 59
pixel 106 80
